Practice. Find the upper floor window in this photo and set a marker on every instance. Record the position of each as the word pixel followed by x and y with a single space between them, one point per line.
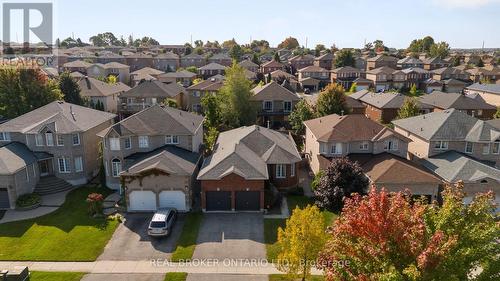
pixel 496 147
pixel 60 140
pixel 268 105
pixel 486 148
pixel 364 145
pixel 143 141
pixel 280 171
pixel 114 143
pixel 76 139
pixel 441 145
pixel 49 138
pixel 287 106
pixel 38 140
pixel 128 143
pixel 292 170
pixel 169 139
pixel 468 147
pixel 4 136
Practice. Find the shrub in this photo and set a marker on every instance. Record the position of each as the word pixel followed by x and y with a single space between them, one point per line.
pixel 28 200
pixel 95 201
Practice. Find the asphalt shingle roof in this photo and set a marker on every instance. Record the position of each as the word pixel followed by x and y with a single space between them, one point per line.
pixel 14 157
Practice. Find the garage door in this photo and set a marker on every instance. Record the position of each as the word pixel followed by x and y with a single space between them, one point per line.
pixel 142 201
pixel 173 199
pixel 4 199
pixel 218 200
pixel 247 201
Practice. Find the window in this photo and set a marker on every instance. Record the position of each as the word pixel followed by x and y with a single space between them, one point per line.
pixel 49 139
pixel 171 139
pixel 363 146
pixel 486 148
pixel 268 105
pixel 60 140
pixel 116 167
pixel 196 94
pixel 292 170
pixel 336 148
pixel 441 145
pixel 4 136
pixel 78 164
pixel 196 107
pixel 128 143
pixel 76 139
pixel 391 145
pixel 468 147
pixel 63 165
pixel 114 143
pixel 280 171
pixel 143 141
pixel 287 106
pixel 323 148
pixel 496 147
pixel 38 140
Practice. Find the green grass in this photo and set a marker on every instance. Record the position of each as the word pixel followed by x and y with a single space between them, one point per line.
pixel 302 201
pixel 56 276
pixel 68 234
pixel 176 276
pixel 187 241
pixel 283 277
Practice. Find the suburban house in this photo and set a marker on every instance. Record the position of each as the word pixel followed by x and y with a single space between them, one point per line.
pixel 49 148
pixel 271 66
pixel 193 60
pixel 409 62
pixel 149 93
pixel 454 85
pixel 300 61
pixel 76 66
pixel 183 77
pixel 415 76
pixel 274 103
pixel 430 85
pixel 382 78
pixel 221 58
pixel 153 158
pixel 354 106
pixel 244 163
pixel 314 73
pixel 434 63
pixel 345 76
pixel 363 83
pixel 119 70
pixel 489 92
pixel 324 61
pixel 478 74
pixel 211 69
pixel 192 100
pixel 381 60
pixel 279 76
pixel 138 61
pixel 144 74
pixel 249 65
pixel 450 73
pixel 98 91
pixel 167 61
pixel 475 107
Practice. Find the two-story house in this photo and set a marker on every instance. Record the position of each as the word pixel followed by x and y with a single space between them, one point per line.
pixel 211 69
pixel 243 162
pixel 300 61
pixel 152 157
pixel 274 103
pixel 408 62
pixel 47 148
pixel 271 66
pixel 119 70
pixel 381 77
pixel 138 61
pixel 249 65
pixel 434 63
pixel 192 100
pixel 183 77
pixel 474 106
pixel 415 76
pixel 193 60
pixel 488 92
pixel 98 91
pixel 345 76
pixel 381 60
pixel 167 62
pixel 221 58
pixel 144 74
pixel 76 66
pixel 324 61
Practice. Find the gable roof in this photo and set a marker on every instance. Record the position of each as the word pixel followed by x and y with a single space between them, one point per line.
pixel 248 63
pixel 383 100
pixel 273 63
pixel 178 74
pixel 490 88
pixel 66 117
pixel 348 69
pixel 246 151
pixel 154 88
pixel 382 57
pixel 157 120
pixel 14 157
pixel 382 69
pixel 207 85
pixel 147 71
pixel 273 91
pixel 312 68
pixel 77 63
pixel 212 66
pixel 454 100
pixel 91 87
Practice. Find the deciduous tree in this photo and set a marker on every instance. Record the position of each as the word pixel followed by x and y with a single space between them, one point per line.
pixel 409 108
pixel 332 100
pixel 440 50
pixel 289 43
pixel 344 57
pixel 70 89
pixel 302 112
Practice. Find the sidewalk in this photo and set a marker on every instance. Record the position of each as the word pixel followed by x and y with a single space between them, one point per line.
pixel 131 267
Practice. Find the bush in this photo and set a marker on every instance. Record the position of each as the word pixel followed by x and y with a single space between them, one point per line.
pixel 95 201
pixel 28 200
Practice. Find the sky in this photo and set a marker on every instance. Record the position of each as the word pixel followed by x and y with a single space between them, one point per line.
pixel 346 23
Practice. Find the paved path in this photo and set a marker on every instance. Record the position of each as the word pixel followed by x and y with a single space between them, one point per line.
pixel 306 177
pixel 50 203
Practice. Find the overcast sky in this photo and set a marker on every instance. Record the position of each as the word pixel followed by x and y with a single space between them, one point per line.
pixel 347 23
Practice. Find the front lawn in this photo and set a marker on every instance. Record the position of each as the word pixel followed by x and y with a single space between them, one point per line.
pixel 187 241
pixel 283 277
pixel 68 234
pixel 176 276
pixel 56 276
pixel 302 201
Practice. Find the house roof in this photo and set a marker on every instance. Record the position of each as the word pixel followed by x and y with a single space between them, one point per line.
pixel 382 69
pixel 453 166
pixel 246 151
pixel 66 117
pixel 495 123
pixel 178 74
pixel 359 94
pixel 280 73
pixel 348 69
pixel 273 91
pixel 273 63
pixel 302 57
pixel 454 100
pixel 450 70
pixel 114 64
pixel 454 81
pixel 490 88
pixel 410 60
pixel 212 66
pixel 91 87
pixel 14 157
pixel 326 56
pixel 450 124
pixel 77 63
pixel 312 68
pixel 415 69
pixel 154 88
pixel 147 71
pixel 382 57
pixel 434 60
pixel 347 128
pixel 207 85
pixel 383 100
pixel 248 63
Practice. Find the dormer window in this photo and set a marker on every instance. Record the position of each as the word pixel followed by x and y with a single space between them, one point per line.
pixel 38 140
pixel 49 139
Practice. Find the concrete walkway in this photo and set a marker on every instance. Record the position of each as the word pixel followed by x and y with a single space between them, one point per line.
pixel 305 179
pixel 285 213
pixel 50 203
pixel 226 266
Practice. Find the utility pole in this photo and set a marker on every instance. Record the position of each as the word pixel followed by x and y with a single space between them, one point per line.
pixel 306 42
pixel 191 40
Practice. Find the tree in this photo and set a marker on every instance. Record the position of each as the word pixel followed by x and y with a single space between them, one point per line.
pixel 25 89
pixel 413 90
pixel 409 108
pixel 276 57
pixel 318 49
pixel 353 88
pixel 386 236
pixel 112 79
pixel 170 102
pixel 211 108
pixel 104 39
pixel 455 61
pixel 210 138
pixel 228 44
pixel 317 179
pixel 300 113
pixel 289 43
pixel 255 59
pixel 480 63
pixel 235 52
pixel 421 45
pixel 192 69
pixel 344 57
pixel 379 45
pixel 332 100
pixel 341 179
pixel 198 43
pixel 70 89
pixel 301 241
pixel 440 50
pixel 497 113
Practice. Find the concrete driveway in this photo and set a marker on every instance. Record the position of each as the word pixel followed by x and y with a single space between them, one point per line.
pixel 123 277
pixel 231 236
pixel 131 241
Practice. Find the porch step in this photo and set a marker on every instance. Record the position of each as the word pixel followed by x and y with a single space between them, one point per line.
pixel 51 185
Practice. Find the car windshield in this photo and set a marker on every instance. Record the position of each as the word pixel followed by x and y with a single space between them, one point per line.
pixel 157 224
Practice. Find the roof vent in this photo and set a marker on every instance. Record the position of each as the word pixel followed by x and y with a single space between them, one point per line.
pixel 421 129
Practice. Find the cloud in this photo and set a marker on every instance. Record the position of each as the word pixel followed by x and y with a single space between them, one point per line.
pixel 464 3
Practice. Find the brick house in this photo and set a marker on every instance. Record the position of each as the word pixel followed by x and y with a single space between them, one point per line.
pixel 381 60
pixel 474 106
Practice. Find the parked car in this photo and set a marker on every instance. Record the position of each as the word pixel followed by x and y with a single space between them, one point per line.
pixel 162 222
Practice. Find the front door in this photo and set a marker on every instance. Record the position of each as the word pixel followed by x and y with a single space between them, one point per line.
pixel 44 168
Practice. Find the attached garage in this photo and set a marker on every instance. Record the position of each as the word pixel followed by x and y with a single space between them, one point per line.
pixel 247 200
pixel 142 201
pixel 218 200
pixel 173 199
pixel 4 199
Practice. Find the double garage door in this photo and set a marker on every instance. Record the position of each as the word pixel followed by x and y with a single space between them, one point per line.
pixel 4 199
pixel 221 201
pixel 143 201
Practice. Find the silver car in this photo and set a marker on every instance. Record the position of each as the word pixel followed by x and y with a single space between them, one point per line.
pixel 162 222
